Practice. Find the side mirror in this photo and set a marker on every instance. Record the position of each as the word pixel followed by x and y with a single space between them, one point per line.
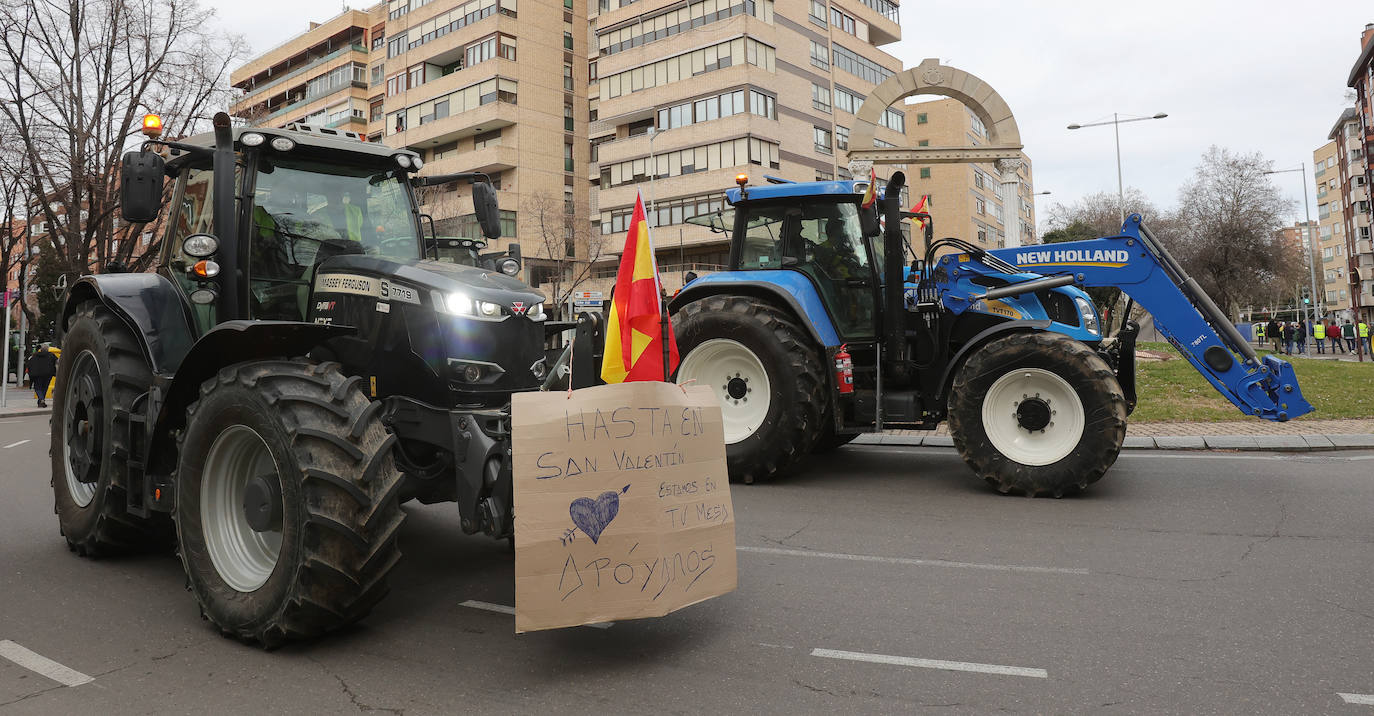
pixel 488 212
pixel 868 220
pixel 140 186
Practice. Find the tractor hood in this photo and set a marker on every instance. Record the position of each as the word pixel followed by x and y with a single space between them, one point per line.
pixel 431 276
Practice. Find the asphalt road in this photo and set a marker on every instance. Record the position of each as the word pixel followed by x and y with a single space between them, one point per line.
pixel 879 580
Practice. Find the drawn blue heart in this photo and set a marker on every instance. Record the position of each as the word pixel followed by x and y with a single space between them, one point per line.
pixel 592 516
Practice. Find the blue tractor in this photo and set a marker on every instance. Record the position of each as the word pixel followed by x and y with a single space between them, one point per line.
pixel 822 329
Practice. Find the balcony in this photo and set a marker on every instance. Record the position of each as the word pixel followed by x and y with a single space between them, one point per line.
pixel 1359 193
pixel 490 159
pixel 247 99
pixel 1361 220
pixel 881 16
pixel 1363 246
pixel 485 118
pixel 299 104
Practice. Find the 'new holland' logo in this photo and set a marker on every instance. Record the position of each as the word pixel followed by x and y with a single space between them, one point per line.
pixel 1074 257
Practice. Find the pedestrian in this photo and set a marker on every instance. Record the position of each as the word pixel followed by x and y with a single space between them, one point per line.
pixel 42 367
pixel 1364 335
pixel 1274 332
pixel 1288 332
pixel 1319 335
pixel 1333 330
pixel 1300 334
pixel 1348 333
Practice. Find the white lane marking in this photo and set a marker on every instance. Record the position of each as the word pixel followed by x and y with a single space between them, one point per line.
pixel 503 609
pixel 911 561
pixel 932 663
pixel 21 442
pixel 1359 699
pixel 42 665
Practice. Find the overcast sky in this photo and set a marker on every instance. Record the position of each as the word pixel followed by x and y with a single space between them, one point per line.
pixel 1260 75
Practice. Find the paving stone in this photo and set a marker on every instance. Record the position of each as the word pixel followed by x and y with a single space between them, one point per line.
pixel 1139 443
pixel 869 439
pixel 1180 442
pixel 1230 442
pixel 938 441
pixel 1351 440
pixel 908 440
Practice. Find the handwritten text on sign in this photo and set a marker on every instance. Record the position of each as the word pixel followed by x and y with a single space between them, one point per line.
pixel 622 505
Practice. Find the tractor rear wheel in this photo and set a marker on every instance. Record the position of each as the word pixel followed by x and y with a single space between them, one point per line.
pixel 287 506
pixel 765 373
pixel 101 373
pixel 1037 414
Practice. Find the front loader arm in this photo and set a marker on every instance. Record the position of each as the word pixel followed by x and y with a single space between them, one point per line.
pixel 1184 314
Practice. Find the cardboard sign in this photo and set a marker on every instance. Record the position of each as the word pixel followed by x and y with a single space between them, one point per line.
pixel 622 504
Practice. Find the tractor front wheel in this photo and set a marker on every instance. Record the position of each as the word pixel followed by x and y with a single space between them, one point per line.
pixel 1037 414
pixel 765 373
pixel 287 508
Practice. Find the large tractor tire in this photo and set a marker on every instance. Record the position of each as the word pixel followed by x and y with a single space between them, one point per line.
pixel 100 375
pixel 286 505
pixel 766 374
pixel 1037 414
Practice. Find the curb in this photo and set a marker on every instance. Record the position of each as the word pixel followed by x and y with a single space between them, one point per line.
pixel 1236 443
pixel 23 412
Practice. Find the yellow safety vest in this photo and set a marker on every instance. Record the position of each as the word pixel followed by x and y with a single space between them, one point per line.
pixel 354 217
pixel 1364 329
pixel 1319 331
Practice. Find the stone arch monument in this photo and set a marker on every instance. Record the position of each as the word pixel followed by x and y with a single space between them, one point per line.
pixel 931 77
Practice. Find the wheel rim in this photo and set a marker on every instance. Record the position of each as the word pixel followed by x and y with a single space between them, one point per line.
pixel 1033 416
pixel 83 418
pixel 243 557
pixel 739 380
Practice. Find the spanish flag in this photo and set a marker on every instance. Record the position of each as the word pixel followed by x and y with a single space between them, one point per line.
pixel 634 331
pixel 871 195
pixel 920 208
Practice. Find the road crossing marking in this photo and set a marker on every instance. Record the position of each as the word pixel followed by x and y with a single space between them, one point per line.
pixel 42 665
pixel 1359 699
pixel 911 561
pixel 503 609
pixel 932 663
pixel 21 442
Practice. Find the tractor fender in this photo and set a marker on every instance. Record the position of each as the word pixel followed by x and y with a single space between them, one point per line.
pixel 973 344
pixel 149 304
pixel 787 289
pixel 226 344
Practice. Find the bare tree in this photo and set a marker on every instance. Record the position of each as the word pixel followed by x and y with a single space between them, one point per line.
pixel 76 76
pixel 1099 214
pixel 567 249
pixel 1229 216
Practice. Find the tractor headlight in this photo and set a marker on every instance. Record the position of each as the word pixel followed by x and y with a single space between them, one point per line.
pixel 283 144
pixel 536 313
pixel 459 304
pixel 252 139
pixel 1089 314
pixel 508 266
pixel 200 245
pixel 403 161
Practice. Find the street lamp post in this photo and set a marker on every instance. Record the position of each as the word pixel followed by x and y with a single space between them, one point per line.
pixel 1311 243
pixel 1116 123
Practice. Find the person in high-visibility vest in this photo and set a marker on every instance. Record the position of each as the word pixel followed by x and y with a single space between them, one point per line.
pixel 1319 335
pixel 1364 335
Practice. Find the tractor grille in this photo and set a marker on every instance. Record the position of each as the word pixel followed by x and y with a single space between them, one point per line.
pixel 1059 307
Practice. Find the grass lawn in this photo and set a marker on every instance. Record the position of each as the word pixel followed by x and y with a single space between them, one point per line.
pixel 1174 391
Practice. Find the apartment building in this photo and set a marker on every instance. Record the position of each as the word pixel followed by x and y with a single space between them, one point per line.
pixel 685 94
pixel 318 77
pixel 1355 143
pixel 1331 224
pixel 967 201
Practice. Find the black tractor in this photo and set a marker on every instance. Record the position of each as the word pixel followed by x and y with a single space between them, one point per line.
pixel 299 364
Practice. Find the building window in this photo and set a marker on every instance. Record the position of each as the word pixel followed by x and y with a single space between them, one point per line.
pixel 925 172
pixel 820 98
pixel 567 156
pixel 981 207
pixel 824 176
pixel 820 55
pixel 658 25
pixel 486 139
pixel 817 12
pixel 894 120
pixel 842 21
pixel 567 77
pixel 858 66
pixel 842 138
pixel 921 118
pixel 738 51
pixel 923 143
pixel 567 117
pixel 822 138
